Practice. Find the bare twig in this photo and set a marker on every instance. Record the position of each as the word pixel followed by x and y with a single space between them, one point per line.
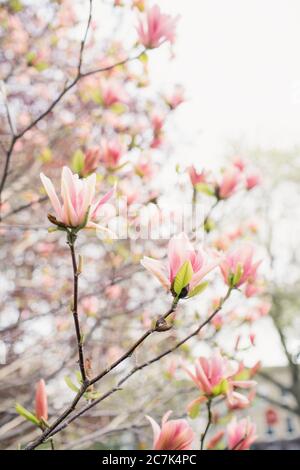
pixel 79 336
pixel 67 87
pixel 64 423
pixel 209 418
pixel 87 383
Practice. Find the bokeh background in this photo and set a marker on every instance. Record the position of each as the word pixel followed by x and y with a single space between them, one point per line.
pixel 238 64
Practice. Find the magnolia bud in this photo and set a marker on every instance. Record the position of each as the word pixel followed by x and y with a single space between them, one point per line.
pixel 41 403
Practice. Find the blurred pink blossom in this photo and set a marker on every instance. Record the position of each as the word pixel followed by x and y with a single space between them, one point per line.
pixel 239 266
pixel 111 152
pixel 195 176
pixel 241 434
pixel 91 161
pixel 228 184
pixel 155 28
pixel 253 179
pixel 175 434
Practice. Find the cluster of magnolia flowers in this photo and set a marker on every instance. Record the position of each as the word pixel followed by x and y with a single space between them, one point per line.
pixel 238 174
pixel 214 377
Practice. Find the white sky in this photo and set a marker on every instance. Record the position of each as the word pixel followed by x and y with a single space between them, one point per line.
pixel 239 61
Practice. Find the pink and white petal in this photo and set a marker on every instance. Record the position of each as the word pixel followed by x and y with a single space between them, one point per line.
pixel 166 417
pixel 101 229
pixel 244 383
pixel 88 191
pixel 50 190
pixel 179 251
pixel 95 208
pixel 156 430
pixel 157 268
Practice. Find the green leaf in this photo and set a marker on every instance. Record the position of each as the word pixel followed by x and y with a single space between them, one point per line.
pixel 221 388
pixel 71 385
pixel 118 108
pixel 77 161
pixel 194 410
pixel 41 66
pixel 27 414
pixel 30 57
pixel 183 277
pixel 45 155
pixel 205 188
pixel 237 275
pixel 143 58
pixel 16 5
pixel 198 289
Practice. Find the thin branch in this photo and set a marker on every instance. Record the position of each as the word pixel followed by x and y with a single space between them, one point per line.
pixel 209 419
pixel 66 88
pixel 79 336
pixel 278 403
pixel 136 344
pixel 63 424
pixel 85 385
pixel 84 39
pixel 8 113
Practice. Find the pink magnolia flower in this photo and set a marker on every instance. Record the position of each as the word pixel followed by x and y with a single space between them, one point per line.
pixel 241 434
pixel 229 182
pixel 195 176
pixel 253 287
pixel 211 372
pixel 239 162
pixel 145 169
pixel 238 266
pixel 175 434
pixel 78 208
pixel 157 141
pixel 176 98
pixel 91 161
pixel 216 376
pixel 112 93
pixel 90 305
pixel 156 27
pixel 157 121
pixel 111 152
pixel 41 403
pixel 253 179
pixel 181 250
pixel 264 308
pixel 215 440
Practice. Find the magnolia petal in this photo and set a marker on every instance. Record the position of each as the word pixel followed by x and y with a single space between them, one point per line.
pixel 52 195
pixel 95 208
pixel 156 268
pixel 156 430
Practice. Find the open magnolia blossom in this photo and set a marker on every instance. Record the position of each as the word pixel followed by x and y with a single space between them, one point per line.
pixel 216 376
pixel 238 266
pixel 185 268
pixel 228 184
pixel 175 434
pixel 78 210
pixel 156 28
pixel 195 176
pixel 240 434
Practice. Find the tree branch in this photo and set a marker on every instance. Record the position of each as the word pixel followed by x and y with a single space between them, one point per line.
pixel 54 429
pixel 209 419
pixel 76 273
